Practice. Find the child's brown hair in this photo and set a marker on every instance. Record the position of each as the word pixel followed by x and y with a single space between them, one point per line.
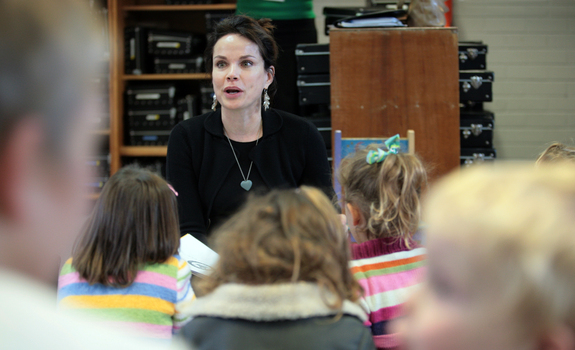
pixel 557 152
pixel 387 193
pixel 134 222
pixel 286 236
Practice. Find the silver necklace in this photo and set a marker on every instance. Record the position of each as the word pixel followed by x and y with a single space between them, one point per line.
pixel 246 184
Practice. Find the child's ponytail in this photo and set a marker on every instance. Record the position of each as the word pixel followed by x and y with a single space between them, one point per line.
pixel 387 192
pixel 398 210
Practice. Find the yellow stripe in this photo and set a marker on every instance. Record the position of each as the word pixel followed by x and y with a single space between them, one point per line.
pixel 182 266
pixel 172 261
pixel 118 301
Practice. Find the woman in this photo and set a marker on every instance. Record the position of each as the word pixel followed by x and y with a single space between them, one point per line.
pixel 215 159
pixel 282 281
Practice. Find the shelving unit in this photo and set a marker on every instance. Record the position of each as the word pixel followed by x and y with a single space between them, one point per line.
pixel 143 151
pixel 123 13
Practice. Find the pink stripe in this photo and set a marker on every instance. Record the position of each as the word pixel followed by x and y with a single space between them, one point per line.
pixel 155 278
pixel 379 284
pixel 147 329
pixel 386 341
pixel 185 286
pixel 148 277
pixel 386 313
pixel 69 278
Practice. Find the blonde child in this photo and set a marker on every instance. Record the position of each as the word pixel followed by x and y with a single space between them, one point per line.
pixel 282 280
pixel 501 262
pixel 557 152
pixel 381 190
pixel 125 269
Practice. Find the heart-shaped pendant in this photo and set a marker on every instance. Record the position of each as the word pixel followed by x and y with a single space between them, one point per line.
pixel 246 184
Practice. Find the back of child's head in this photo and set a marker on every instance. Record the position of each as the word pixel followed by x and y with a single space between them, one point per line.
pixel 387 193
pixel 286 236
pixel 557 152
pixel 134 222
pixel 502 239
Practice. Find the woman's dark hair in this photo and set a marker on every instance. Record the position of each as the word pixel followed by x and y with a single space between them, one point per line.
pixel 135 221
pixel 259 32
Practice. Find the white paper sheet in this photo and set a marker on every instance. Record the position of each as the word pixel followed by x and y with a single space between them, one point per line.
pixel 200 257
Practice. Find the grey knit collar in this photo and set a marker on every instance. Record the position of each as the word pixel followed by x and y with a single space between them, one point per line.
pixel 289 301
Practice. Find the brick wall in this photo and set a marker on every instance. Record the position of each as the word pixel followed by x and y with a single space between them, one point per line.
pixel 532 53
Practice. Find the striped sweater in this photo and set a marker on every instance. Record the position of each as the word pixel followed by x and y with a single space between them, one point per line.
pixel 151 307
pixel 388 271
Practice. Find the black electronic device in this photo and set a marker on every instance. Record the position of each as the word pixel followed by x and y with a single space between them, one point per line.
pixel 313 89
pixel 472 55
pixel 135 50
pixel 149 138
pixel 150 96
pixel 312 58
pixel 476 85
pixel 476 129
pixel 145 120
pixel 178 65
pixel 171 43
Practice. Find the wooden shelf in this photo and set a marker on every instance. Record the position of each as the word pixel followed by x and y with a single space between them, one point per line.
pixel 190 76
pixel 153 13
pixel 144 151
pixel 206 7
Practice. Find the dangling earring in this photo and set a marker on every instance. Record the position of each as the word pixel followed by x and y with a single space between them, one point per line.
pixel 215 103
pixel 266 100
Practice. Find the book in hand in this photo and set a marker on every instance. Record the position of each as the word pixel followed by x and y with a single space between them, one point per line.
pixel 201 259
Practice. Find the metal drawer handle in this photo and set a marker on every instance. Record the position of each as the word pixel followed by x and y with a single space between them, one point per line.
pixel 476 129
pixel 473 53
pixel 476 81
pixel 479 157
pixel 303 53
pixel 303 83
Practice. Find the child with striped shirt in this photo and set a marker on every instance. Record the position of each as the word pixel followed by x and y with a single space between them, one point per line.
pixel 125 270
pixel 381 195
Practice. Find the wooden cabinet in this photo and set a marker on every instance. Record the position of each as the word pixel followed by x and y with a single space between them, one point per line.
pixel 152 13
pixel 386 81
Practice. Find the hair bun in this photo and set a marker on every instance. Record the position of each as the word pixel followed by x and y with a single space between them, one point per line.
pixel 266 23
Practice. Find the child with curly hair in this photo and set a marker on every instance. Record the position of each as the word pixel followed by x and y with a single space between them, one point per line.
pixel 381 193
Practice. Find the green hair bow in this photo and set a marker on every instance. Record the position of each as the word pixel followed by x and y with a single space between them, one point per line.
pixel 379 155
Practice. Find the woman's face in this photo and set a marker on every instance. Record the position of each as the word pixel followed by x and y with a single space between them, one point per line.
pixel 238 73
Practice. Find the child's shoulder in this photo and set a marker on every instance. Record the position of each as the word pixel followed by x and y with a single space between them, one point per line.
pixel 67 267
pixel 169 267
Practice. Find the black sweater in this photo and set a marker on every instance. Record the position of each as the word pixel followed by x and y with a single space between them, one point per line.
pixel 290 153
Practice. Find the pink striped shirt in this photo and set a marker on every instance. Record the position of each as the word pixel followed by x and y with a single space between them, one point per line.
pixel 388 271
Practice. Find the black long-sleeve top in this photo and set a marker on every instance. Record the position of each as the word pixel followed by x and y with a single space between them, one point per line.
pixel 200 163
